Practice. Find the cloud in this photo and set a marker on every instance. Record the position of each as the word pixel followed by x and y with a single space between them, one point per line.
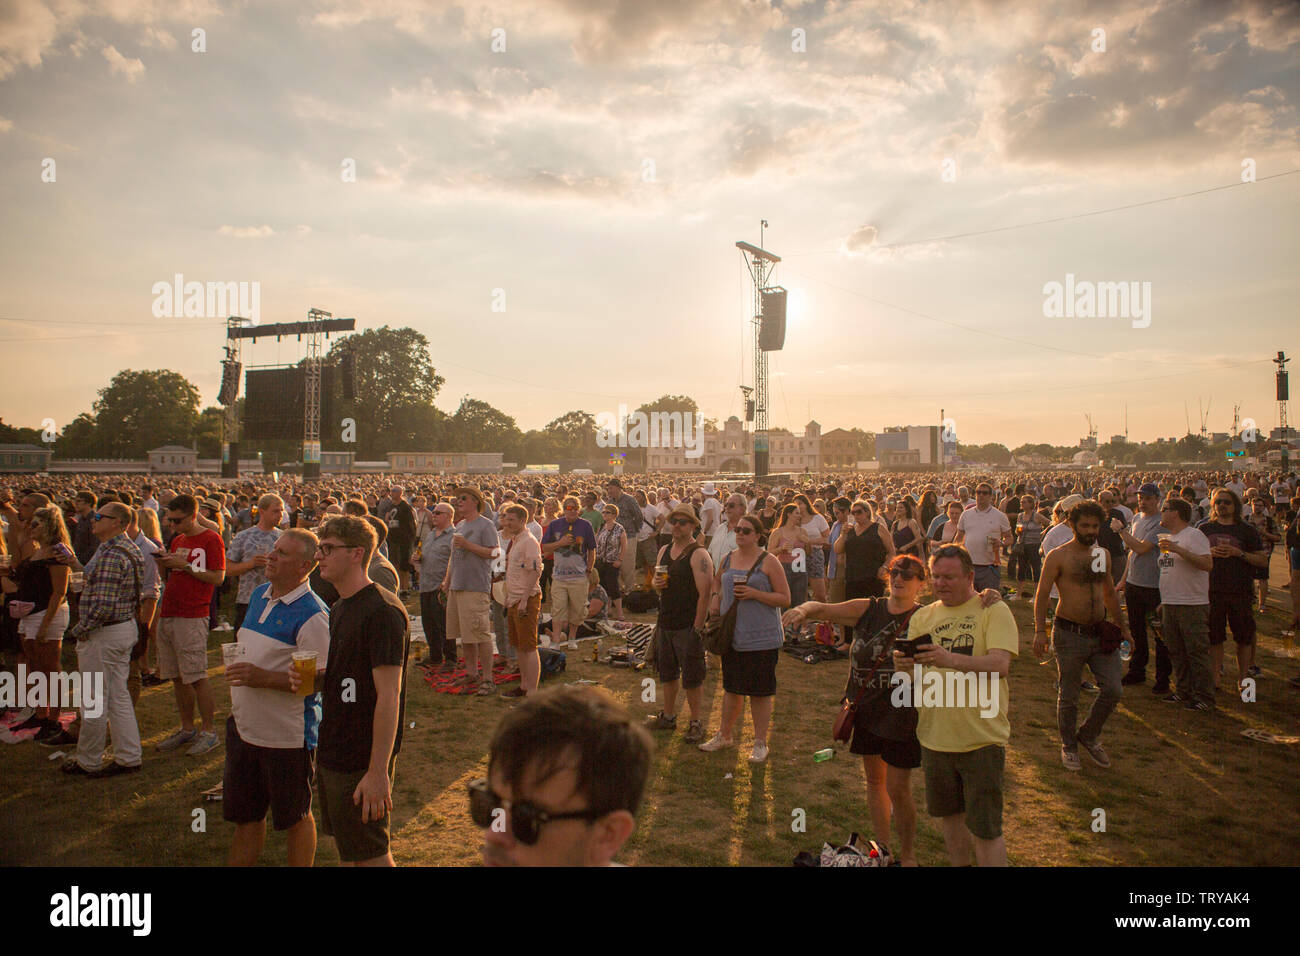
pixel 156 36
pixel 247 232
pixel 130 68
pixel 27 28
pixel 862 239
pixel 6 125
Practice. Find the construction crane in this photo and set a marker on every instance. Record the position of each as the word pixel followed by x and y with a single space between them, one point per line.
pixel 1205 414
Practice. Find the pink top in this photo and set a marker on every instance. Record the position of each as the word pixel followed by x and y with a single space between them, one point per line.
pixel 523 564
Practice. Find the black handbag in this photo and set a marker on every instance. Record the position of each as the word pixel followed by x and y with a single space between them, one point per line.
pixel 719 633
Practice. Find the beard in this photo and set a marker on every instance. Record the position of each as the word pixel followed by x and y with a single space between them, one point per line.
pixel 1087 540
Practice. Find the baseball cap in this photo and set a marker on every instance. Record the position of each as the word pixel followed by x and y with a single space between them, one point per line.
pixel 1150 488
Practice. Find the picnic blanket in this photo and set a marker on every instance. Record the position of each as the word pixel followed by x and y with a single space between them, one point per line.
pixel 441 681
pixel 9 737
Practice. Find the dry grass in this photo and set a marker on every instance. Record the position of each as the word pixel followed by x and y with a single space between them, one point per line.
pixel 1184 789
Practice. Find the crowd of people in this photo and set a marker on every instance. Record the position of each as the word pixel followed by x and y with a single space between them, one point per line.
pixel 133 571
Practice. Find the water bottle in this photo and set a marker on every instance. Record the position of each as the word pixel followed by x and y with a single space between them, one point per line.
pixel 1126 650
pixel 822 756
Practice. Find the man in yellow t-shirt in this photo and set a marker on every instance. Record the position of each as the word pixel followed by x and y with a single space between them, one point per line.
pixel 961 699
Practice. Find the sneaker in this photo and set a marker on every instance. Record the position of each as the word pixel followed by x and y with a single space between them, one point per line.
pixel 49 730
pixel 1160 688
pixel 1254 671
pixel 486 688
pixel 1070 759
pixel 1198 705
pixel 74 769
pixel 759 753
pixel 662 721
pixel 1089 685
pixel 31 723
pixel 114 769
pixel 1096 752
pixel 61 739
pixel 1131 678
pixel 176 741
pixel 695 732
pixel 150 680
pixel 1174 699
pixel 204 741
pixel 223 626
pixel 517 694
pixel 716 742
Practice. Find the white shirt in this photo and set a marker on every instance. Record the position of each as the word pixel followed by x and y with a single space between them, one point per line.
pixel 1280 492
pixel 651 514
pixel 1056 536
pixel 710 514
pixel 1126 511
pixel 1181 582
pixel 979 526
pixel 1238 486
pixel 722 544
pixel 151 504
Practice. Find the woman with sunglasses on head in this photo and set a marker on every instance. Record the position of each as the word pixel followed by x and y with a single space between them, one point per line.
pixel 884 735
pixel 41 579
pixel 818 530
pixel 753 577
pixel 865 548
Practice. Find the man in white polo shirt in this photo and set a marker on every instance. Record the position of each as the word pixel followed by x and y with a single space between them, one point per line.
pixel 271 731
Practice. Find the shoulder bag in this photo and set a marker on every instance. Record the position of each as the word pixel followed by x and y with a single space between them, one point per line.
pixel 842 729
pixel 719 634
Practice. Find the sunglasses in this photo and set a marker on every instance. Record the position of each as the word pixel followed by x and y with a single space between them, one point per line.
pixel 741 529
pixel 681 521
pixel 526 819
pixel 907 574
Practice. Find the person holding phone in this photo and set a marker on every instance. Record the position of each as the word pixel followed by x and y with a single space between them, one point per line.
pixel 884 735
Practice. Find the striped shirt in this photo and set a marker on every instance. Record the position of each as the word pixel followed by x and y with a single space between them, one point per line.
pixel 112 589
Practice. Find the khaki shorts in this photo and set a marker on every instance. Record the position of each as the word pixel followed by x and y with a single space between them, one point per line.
pixel 569 600
pixel 522 624
pixel 969 783
pixel 183 648
pixel 469 617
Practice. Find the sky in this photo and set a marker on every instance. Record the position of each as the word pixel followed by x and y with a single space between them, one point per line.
pixel 589 166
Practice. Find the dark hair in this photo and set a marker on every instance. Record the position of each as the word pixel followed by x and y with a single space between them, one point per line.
pixel 88 497
pixel 756 526
pixel 519 511
pixel 184 504
pixel 954 551
pixel 355 507
pixel 1236 501
pixel 786 511
pixel 1086 509
pixel 579 728
pixel 354 532
pixel 841 504
pixel 1181 505
pixel 381 529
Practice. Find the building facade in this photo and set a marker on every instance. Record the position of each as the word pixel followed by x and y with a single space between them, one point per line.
pixel 24 458
pixel 445 462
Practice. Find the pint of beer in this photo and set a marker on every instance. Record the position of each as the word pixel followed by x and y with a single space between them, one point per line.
pixel 304 662
pixel 1165 540
pixel 661 576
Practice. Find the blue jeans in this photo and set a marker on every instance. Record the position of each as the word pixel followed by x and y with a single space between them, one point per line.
pixel 1073 650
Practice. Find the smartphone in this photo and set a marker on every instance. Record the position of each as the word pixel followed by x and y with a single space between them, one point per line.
pixel 61 550
pixel 908 647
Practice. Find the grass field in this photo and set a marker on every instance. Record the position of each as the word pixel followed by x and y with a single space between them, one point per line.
pixel 1184 788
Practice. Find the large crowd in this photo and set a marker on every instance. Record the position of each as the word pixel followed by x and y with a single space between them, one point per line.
pixel 131 570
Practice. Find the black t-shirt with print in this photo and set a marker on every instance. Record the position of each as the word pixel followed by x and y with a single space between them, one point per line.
pixel 873 636
pixel 367 630
pixel 1232 575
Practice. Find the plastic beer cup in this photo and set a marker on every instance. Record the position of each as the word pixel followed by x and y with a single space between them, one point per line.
pixel 304 662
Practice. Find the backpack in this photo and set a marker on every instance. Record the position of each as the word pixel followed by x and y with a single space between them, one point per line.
pixel 553 661
pixel 639 602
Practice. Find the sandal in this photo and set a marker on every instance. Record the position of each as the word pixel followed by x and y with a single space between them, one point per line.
pixel 486 688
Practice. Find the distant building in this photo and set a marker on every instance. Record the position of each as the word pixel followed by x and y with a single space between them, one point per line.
pixel 445 462
pixel 24 458
pixel 910 447
pixel 839 451
pixel 1119 439
pixel 730 448
pixel 173 458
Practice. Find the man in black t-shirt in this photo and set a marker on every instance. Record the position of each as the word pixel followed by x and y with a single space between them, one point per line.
pixel 363 697
pixel 1238 552
pixel 400 519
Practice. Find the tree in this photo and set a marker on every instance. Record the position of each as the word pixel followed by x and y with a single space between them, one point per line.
pixel 12 434
pixel 79 438
pixel 572 435
pixel 137 411
pixel 394 378
pixel 636 457
pixel 209 432
pixel 477 426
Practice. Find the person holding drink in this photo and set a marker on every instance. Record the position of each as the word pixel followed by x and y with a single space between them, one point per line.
pixel 275 707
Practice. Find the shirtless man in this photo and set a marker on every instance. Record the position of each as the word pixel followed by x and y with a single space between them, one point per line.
pixel 1080 569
